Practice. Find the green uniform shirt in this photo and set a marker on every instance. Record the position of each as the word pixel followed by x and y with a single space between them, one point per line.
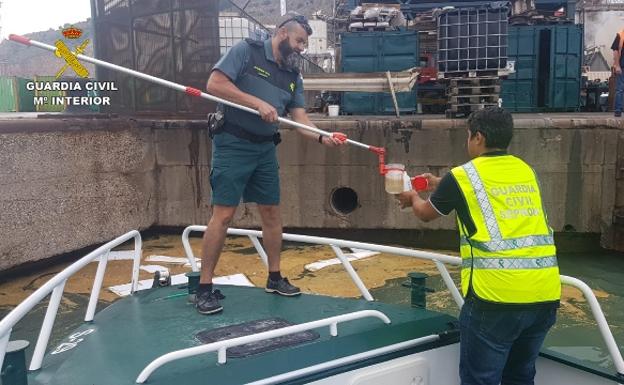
pixel 255 71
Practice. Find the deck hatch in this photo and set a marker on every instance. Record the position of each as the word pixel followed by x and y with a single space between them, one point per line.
pixel 254 327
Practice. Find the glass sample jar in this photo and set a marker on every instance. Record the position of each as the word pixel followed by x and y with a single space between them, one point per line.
pixel 394 178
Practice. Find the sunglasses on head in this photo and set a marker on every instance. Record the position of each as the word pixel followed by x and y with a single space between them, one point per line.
pixel 302 20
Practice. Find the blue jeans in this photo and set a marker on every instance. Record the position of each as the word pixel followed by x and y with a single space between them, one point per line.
pixel 501 346
pixel 619 92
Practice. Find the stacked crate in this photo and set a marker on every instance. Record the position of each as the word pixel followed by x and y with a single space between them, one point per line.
pixel 472 56
pixel 427 27
pixel 431 93
pixel 466 94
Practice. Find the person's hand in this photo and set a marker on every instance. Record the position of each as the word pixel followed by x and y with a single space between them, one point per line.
pixel 618 70
pixel 268 113
pixel 432 181
pixel 336 139
pixel 405 198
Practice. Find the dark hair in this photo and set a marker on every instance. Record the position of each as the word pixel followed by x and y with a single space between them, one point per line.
pixel 299 19
pixel 495 124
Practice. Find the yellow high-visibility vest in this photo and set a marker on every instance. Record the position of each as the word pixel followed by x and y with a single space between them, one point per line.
pixel 511 258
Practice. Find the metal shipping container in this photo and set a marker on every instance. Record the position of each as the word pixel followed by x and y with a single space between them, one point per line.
pixel 48 106
pixel 566 52
pixel 25 98
pixel 547 61
pixel 14 97
pixel 519 90
pixel 7 95
pixel 378 52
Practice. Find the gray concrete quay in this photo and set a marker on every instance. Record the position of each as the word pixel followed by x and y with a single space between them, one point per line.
pixel 68 182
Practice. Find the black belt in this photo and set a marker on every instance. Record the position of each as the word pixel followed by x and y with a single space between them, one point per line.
pixel 241 133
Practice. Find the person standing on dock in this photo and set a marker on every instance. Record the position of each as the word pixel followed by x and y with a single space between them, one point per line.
pixel 509 276
pixel 260 75
pixel 618 63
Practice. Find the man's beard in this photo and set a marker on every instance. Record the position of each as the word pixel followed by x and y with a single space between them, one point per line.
pixel 290 57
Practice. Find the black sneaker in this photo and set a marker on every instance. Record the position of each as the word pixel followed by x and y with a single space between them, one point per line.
pixel 282 287
pixel 617 114
pixel 192 298
pixel 208 302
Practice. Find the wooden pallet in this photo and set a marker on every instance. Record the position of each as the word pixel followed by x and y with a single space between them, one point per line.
pixel 469 94
pixel 457 100
pixel 470 107
pixel 474 82
pixel 458 90
pixel 473 74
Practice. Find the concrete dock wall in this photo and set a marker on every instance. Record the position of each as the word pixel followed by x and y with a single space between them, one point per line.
pixel 71 183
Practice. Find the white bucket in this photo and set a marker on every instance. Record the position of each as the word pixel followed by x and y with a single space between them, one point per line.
pixel 333 110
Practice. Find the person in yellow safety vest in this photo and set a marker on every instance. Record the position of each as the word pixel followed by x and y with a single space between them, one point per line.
pixel 509 277
pixel 618 63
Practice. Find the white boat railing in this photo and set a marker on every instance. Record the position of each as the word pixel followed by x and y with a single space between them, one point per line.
pixel 56 286
pixel 327 365
pixel 601 320
pixel 221 346
pixel 335 245
pixel 437 258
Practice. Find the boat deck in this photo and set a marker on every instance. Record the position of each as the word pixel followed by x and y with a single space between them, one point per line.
pixel 128 335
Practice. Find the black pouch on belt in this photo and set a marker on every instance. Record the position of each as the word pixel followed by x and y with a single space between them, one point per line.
pixel 215 123
pixel 277 138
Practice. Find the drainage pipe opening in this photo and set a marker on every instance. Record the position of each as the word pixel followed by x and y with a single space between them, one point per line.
pixel 344 200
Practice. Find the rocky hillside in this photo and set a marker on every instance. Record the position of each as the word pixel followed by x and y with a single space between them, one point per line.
pixel 19 60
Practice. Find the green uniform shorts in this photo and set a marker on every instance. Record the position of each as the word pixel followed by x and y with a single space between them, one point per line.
pixel 242 169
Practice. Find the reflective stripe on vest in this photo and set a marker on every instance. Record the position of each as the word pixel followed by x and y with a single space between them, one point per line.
pixel 484 202
pixel 510 263
pixel 511 258
pixel 510 244
pixel 497 243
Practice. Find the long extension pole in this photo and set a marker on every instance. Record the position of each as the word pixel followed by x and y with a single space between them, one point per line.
pixel 380 151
